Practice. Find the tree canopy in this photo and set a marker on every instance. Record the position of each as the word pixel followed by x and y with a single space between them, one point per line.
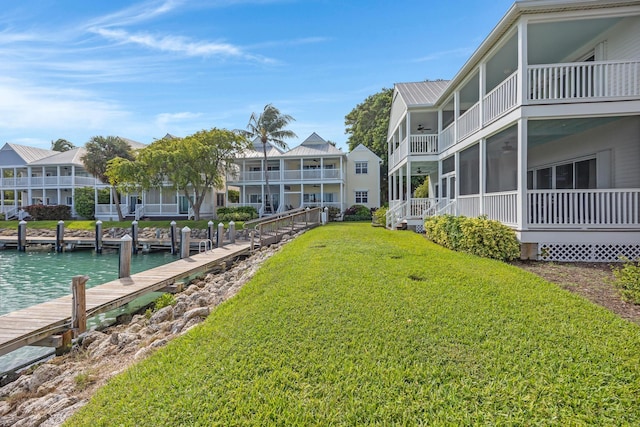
pixel 269 127
pixel 99 151
pixel 192 165
pixel 62 145
pixel 367 124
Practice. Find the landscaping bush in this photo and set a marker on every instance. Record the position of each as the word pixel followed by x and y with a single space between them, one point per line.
pixel 240 213
pixel 357 213
pixel 380 216
pixel 234 196
pixel 49 212
pixel 334 213
pixel 628 281
pixel 478 236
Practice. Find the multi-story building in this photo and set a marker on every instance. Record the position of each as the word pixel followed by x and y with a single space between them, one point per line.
pixel 540 129
pixel 315 173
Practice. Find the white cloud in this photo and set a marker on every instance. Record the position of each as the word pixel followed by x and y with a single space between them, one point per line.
pixel 33 108
pixel 166 120
pixel 135 14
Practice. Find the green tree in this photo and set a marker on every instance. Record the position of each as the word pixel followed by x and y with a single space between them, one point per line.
pixel 99 150
pixel 193 165
pixel 367 124
pixel 422 191
pixel 269 127
pixel 62 145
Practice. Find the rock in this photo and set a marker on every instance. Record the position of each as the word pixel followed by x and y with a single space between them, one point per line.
pixel 201 312
pixel 179 309
pixel 43 374
pixel 191 323
pixel 59 417
pixel 159 343
pixel 91 337
pixel 162 315
pixel 177 326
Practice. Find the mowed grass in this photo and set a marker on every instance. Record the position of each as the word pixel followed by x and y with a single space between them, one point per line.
pixel 355 325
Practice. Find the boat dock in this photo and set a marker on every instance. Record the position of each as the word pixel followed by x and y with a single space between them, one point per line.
pixel 44 324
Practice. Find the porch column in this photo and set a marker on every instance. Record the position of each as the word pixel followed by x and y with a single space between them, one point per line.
pixel 400 184
pixel 482 80
pixel 456 114
pixel 440 195
pixel 522 98
pixel 456 187
pixel 408 189
pixel 522 221
pixel 482 173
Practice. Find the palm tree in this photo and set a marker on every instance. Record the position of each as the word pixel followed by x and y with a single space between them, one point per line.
pixel 100 150
pixel 62 145
pixel 269 127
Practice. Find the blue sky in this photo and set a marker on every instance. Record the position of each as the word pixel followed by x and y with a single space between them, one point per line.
pixel 140 69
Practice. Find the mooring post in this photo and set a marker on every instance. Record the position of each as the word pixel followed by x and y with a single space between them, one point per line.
pixel 22 236
pixel 98 237
pixel 125 256
pixel 79 307
pixel 185 243
pixel 173 235
pixel 210 232
pixel 134 236
pixel 59 236
pixel 232 232
pixel 220 235
pixel 325 216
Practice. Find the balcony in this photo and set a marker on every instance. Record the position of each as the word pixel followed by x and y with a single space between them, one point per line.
pixel 287 176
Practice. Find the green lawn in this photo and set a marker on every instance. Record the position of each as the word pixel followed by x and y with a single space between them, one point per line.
pixel 355 325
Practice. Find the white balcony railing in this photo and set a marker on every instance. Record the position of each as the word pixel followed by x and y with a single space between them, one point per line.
pixel 469 206
pixel 606 207
pixel 584 80
pixel 469 122
pixel 448 137
pixel 502 207
pixel 501 99
pixel 424 144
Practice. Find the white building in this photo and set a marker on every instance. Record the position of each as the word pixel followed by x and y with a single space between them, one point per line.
pixel 540 129
pixel 315 173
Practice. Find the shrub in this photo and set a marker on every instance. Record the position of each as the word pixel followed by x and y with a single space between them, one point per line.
pixel 234 196
pixel 85 202
pixel 49 212
pixel 628 281
pixel 164 300
pixel 334 213
pixel 478 236
pixel 380 216
pixel 357 213
pixel 240 213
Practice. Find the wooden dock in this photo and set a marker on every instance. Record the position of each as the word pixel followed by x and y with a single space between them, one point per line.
pixel 42 324
pixel 72 243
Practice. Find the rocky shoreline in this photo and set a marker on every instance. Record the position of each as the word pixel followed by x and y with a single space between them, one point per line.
pixel 49 393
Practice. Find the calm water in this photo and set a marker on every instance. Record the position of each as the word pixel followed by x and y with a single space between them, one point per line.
pixel 30 278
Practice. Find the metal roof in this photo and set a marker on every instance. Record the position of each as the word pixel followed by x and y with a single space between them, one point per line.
pixel 28 154
pixel 421 93
pixel 314 145
pixel 71 157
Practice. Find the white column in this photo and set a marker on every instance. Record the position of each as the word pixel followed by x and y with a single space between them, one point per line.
pixel 408 179
pixel 482 173
pixel 456 114
pixel 482 80
pixel 522 221
pixel 523 54
pixel 456 188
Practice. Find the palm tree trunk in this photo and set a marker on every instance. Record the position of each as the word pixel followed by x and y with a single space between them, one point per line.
pixel 266 177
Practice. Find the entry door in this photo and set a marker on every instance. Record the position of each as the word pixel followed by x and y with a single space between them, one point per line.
pixel 448 184
pixel 133 201
pixel 183 205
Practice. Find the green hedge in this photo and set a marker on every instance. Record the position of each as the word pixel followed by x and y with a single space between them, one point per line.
pixel 380 216
pixel 478 236
pixel 357 213
pixel 240 213
pixel 49 212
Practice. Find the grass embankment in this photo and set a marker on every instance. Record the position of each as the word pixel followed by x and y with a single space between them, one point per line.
pixel 90 225
pixel 356 325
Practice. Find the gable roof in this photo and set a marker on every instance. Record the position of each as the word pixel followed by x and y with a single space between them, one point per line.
pixel 421 93
pixel 364 148
pixel 26 153
pixel 314 145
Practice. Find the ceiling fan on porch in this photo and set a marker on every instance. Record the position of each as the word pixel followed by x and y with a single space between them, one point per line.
pixel 422 128
pixel 507 147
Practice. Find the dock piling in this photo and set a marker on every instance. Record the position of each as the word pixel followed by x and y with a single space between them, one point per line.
pixel 173 233
pixel 98 237
pixel 60 236
pixel 125 257
pixel 210 232
pixel 22 236
pixel 220 235
pixel 79 308
pixel 232 232
pixel 185 242
pixel 134 236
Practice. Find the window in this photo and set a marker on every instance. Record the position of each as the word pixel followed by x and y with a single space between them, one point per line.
pixel 255 198
pixel 220 199
pixel 362 197
pixel 579 174
pixel 470 170
pixel 362 168
pixel 449 165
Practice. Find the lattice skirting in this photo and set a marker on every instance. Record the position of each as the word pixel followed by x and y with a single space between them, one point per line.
pixel 420 228
pixel 595 252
